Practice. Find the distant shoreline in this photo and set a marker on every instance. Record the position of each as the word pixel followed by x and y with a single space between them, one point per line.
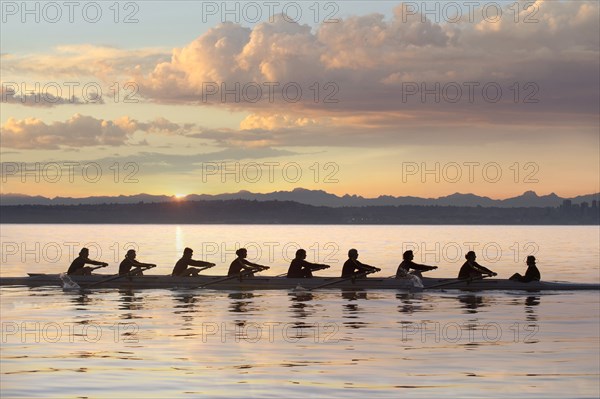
pixel 289 212
pixel 315 198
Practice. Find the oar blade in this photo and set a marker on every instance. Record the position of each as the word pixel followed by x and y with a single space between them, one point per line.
pixel 68 283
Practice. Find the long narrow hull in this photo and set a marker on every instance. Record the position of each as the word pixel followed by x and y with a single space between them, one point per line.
pixel 263 282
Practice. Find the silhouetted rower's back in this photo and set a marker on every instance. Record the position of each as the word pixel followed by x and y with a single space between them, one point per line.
pixel 531 274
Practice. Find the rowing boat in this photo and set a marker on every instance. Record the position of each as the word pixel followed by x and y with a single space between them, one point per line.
pixel 265 282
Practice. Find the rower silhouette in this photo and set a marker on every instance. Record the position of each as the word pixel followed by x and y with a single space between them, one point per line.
pixel 181 267
pixel 531 274
pixel 352 267
pixel 240 263
pixel 78 266
pixel 130 262
pixel 472 269
pixel 408 264
pixel 300 268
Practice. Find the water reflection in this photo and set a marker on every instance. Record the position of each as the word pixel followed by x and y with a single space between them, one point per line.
pixel 240 302
pixel 352 310
pixel 530 308
pixel 301 307
pixel 531 329
pixel 531 302
pixel 185 307
pixel 300 304
pixel 80 299
pixel 185 302
pixel 471 302
pixel 354 295
pixel 410 302
pixel 129 301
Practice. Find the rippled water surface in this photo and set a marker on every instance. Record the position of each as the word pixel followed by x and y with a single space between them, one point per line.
pixel 107 343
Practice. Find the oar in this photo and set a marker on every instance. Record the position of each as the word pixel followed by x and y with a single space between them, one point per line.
pixel 98 267
pixel 458 280
pixel 128 274
pixel 343 279
pixel 240 275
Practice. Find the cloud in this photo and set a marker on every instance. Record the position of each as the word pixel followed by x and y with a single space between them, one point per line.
pixel 366 80
pixel 151 163
pixel 369 62
pixel 44 99
pixel 80 131
pixel 82 62
pixel 382 129
pixel 75 75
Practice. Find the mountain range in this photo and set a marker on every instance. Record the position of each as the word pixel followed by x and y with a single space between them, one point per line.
pixel 311 197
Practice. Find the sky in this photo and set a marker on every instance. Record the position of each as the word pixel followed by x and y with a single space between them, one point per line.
pixel 360 97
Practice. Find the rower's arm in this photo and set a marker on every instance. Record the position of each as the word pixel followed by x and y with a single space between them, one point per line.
pixel 95 262
pixel 365 268
pixel 314 266
pixel 422 268
pixel 140 264
pixel 193 262
pixel 253 266
pixel 482 269
pixel 318 266
pixel 245 265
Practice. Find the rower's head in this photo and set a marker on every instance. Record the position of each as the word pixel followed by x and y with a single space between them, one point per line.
pixel 188 252
pixel 531 260
pixel 131 254
pixel 353 254
pixel 408 255
pixel 242 252
pixel 470 256
pixel 301 254
pixel 84 252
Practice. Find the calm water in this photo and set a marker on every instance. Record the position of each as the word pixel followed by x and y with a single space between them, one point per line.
pixel 190 343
